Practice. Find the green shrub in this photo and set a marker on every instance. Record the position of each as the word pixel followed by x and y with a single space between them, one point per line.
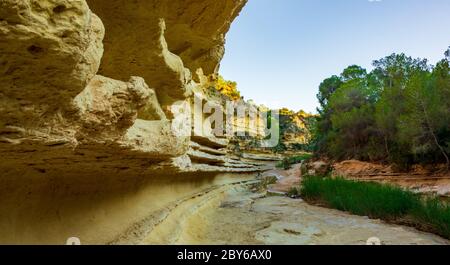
pixel 293 192
pixel 284 164
pixel 287 162
pixel 264 183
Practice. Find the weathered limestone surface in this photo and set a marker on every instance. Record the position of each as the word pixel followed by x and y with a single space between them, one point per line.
pixel 87 139
pixel 49 51
pixel 165 42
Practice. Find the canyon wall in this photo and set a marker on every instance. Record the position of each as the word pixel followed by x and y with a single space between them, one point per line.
pixel 88 141
pixel 295 128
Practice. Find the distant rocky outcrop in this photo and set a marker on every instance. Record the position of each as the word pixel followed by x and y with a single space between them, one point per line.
pixel 295 129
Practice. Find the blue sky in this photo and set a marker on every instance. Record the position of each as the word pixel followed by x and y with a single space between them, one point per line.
pixel 280 50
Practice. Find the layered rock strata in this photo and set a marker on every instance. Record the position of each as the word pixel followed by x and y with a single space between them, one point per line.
pixel 87 138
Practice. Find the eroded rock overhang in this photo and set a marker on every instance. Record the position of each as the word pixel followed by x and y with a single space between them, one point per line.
pixel 85 123
pixel 71 77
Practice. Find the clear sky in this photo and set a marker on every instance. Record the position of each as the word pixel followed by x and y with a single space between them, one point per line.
pixel 280 50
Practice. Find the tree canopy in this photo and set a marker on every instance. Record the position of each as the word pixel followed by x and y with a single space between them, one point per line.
pixel 399 112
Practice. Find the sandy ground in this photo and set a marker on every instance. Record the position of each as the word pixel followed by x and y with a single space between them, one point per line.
pixel 286 179
pixel 233 215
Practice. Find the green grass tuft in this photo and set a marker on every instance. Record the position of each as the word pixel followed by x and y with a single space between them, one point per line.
pixel 436 214
pixel 293 192
pixel 378 201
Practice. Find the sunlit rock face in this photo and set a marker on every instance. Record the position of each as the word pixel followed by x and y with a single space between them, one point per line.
pixel 59 86
pixel 165 42
pixel 295 131
pixel 49 51
pixel 86 128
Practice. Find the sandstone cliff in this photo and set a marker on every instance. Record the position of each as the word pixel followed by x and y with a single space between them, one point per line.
pixel 87 135
pixel 294 127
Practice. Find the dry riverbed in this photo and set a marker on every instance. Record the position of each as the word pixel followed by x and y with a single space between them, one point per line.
pixel 234 215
